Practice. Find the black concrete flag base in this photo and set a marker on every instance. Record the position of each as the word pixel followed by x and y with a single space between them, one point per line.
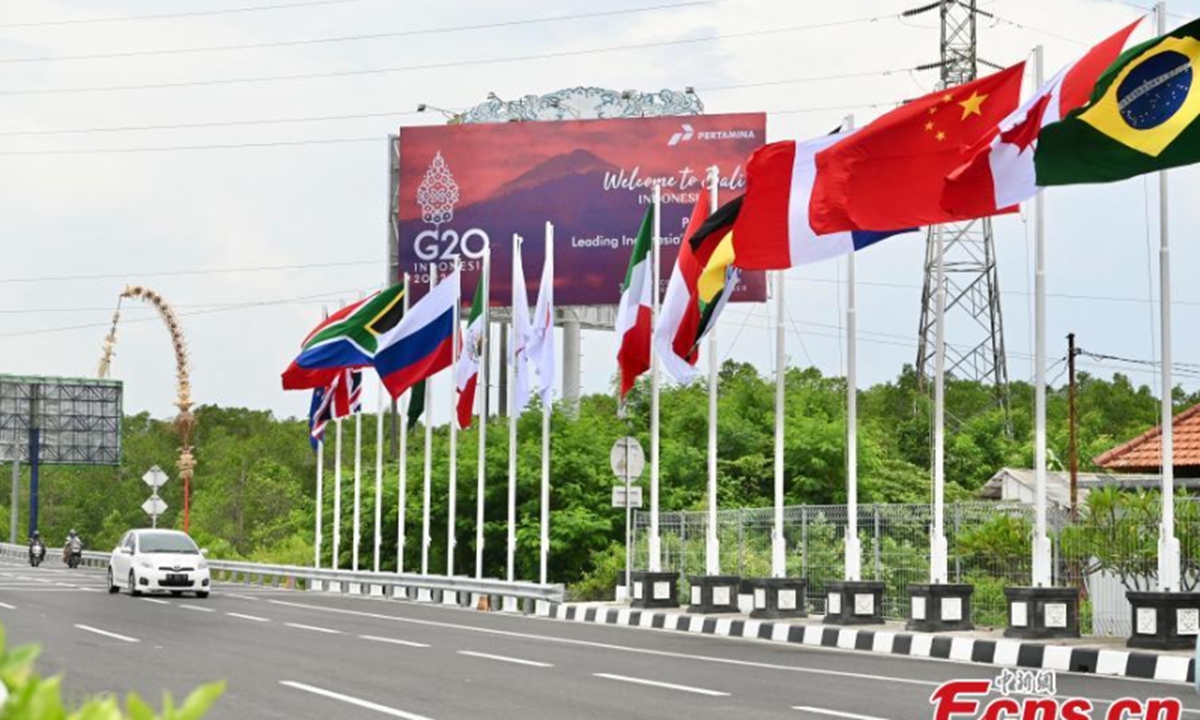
pixel 853 602
pixel 776 598
pixel 655 589
pixel 1164 620
pixel 940 607
pixel 1042 612
pixel 713 594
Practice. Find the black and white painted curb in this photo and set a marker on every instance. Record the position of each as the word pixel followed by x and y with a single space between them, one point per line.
pixel 1007 653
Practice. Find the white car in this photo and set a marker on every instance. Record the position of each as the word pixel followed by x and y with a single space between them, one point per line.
pixel 158 561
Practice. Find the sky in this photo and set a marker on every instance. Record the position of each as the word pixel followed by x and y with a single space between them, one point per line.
pixel 252 205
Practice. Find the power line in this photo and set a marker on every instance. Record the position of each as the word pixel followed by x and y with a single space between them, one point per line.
pixel 170 273
pixel 225 308
pixel 407 113
pixel 172 148
pixel 172 16
pixel 433 66
pixel 356 38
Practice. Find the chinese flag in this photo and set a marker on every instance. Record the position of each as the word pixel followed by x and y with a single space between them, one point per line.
pixel 890 174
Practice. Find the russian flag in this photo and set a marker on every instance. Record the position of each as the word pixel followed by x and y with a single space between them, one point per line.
pixel 421 344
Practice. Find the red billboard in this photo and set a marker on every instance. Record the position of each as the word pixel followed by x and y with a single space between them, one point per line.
pixel 465 187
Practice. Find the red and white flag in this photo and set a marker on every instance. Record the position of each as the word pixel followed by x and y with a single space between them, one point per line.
pixel 1000 173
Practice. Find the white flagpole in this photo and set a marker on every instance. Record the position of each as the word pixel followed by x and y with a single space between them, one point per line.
pixel 452 490
pixel 402 491
pixel 853 547
pixel 778 549
pixel 481 395
pixel 546 410
pixel 712 547
pixel 426 539
pixel 938 571
pixel 320 501
pixel 357 488
pixel 1042 576
pixel 378 473
pixel 1168 544
pixel 337 492
pixel 511 549
pixel 655 564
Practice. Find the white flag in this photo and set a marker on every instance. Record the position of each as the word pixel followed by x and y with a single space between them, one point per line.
pixel 541 339
pixel 519 350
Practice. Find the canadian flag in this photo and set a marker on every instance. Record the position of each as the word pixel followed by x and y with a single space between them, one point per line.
pixel 1004 163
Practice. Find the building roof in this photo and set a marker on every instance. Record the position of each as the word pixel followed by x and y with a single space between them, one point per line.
pixel 1058 483
pixel 1144 452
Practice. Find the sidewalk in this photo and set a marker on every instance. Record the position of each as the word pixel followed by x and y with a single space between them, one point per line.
pixel 1089 655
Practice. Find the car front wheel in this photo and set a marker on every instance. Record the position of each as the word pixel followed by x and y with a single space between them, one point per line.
pixel 133 589
pixel 112 586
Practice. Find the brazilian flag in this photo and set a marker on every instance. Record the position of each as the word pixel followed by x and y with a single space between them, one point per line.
pixel 1143 116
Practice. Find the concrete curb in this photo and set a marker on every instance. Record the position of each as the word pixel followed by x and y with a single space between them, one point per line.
pixel 1008 653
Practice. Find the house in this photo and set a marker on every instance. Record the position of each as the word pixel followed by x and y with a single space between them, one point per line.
pixel 1144 452
pixel 1017 484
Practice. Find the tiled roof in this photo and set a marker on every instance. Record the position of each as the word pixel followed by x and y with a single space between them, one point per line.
pixel 1144 452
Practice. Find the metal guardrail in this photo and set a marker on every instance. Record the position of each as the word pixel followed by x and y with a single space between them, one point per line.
pixel 294 576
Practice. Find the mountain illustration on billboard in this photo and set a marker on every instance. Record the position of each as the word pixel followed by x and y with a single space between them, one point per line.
pixel 559 167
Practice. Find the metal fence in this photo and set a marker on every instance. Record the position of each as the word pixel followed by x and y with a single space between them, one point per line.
pixel 988 544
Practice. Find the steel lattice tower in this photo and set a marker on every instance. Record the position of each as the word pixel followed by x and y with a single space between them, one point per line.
pixel 974 324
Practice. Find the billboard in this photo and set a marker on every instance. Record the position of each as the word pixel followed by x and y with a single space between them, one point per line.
pixel 465 187
pixel 79 419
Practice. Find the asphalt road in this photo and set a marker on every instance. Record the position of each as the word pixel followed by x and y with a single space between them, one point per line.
pixel 307 655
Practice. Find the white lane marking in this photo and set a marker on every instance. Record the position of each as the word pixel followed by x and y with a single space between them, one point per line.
pixel 393 641
pixel 156 601
pixel 314 628
pixel 503 658
pixel 90 589
pixel 106 633
pixel 353 700
pixel 834 713
pixel 196 607
pixel 666 685
pixel 240 597
pixel 255 618
pixel 6 606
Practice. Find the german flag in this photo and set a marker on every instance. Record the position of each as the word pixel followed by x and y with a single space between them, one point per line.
pixel 700 285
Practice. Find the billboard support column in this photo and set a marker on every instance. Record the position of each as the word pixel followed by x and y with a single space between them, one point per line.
pixel 35 442
pixel 572 357
pixel 16 495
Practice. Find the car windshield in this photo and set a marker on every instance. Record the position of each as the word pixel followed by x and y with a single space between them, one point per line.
pixel 166 543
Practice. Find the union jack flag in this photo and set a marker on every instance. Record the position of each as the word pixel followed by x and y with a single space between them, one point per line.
pixel 341 399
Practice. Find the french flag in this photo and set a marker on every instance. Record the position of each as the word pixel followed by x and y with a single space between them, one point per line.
pixel 421 344
pixel 773 230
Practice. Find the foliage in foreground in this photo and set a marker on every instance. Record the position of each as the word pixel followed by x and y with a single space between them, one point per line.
pixel 25 696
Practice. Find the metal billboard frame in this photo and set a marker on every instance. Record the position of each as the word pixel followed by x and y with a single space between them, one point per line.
pixel 78 419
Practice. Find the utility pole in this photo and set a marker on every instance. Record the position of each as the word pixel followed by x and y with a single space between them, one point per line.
pixel 976 352
pixel 1073 422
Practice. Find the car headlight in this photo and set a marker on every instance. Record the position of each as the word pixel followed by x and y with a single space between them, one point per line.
pixel 146 564
pixel 202 565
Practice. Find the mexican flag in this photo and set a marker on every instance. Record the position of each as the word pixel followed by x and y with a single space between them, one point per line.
pixel 1141 118
pixel 467 373
pixel 633 314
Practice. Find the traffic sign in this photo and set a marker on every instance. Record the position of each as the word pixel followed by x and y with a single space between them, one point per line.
pixel 627 457
pixel 618 496
pixel 155 506
pixel 155 478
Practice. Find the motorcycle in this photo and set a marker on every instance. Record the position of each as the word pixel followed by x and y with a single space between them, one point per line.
pixel 37 553
pixel 74 553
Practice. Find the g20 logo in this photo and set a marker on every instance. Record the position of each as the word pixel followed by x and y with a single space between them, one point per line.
pixel 437 195
pixel 435 244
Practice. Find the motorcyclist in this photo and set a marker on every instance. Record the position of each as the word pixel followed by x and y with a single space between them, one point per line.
pixel 73 540
pixel 36 545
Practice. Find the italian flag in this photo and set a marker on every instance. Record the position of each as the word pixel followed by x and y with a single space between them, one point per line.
pixel 633 314
pixel 467 372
